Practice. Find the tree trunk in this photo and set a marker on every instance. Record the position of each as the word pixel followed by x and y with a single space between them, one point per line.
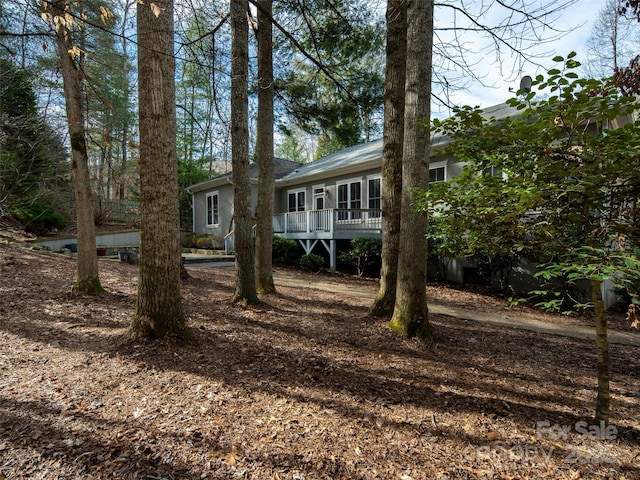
pixel 410 317
pixel 264 231
pixel 602 353
pixel 124 142
pixel 396 54
pixel 159 306
pixel 87 271
pixel 245 272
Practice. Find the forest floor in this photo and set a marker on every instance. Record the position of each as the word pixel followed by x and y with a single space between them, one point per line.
pixel 303 386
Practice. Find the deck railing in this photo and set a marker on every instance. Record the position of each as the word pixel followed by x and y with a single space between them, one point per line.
pixel 105 211
pixel 116 211
pixel 329 220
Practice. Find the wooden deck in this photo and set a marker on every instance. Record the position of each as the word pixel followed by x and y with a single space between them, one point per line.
pixel 311 227
pixel 329 224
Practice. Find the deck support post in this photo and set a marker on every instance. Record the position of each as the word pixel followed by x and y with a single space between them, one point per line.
pixel 331 248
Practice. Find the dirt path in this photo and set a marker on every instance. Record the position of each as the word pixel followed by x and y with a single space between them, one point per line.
pixel 525 322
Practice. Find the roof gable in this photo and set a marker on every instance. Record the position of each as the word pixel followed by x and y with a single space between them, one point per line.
pixel 280 169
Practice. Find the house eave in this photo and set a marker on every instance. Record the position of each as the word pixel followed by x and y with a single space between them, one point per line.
pixel 331 173
pixel 209 184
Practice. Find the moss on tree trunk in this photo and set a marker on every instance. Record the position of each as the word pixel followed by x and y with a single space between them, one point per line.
pixel 87 268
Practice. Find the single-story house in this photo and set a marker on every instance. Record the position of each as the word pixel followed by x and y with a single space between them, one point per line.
pixel 338 198
pixel 212 200
pixel 335 198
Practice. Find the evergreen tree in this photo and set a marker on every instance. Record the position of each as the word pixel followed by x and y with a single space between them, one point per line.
pixel 108 97
pixel 333 84
pixel 32 157
pixel 203 83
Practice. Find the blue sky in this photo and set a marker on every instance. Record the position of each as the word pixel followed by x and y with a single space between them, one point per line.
pixel 576 20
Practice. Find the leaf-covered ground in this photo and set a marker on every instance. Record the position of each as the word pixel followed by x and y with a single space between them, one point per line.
pixel 304 386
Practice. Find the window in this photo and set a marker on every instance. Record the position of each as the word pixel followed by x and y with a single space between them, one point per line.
pixel 495 172
pixel 297 201
pixel 349 199
pixel 492 171
pixel 318 197
pixel 213 209
pixel 437 174
pixel 375 197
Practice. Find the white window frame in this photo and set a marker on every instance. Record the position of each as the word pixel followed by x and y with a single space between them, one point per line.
pixel 369 198
pixel 495 172
pixel 318 191
pixel 215 211
pixel 438 167
pixel 351 216
pixel 296 192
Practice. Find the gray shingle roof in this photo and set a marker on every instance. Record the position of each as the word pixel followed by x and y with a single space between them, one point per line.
pixel 365 152
pixel 344 158
pixel 281 168
pixel 349 158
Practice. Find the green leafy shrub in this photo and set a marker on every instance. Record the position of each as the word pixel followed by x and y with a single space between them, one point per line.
pixel 38 218
pixel 208 241
pixel 186 240
pixel 311 261
pixel 286 251
pixel 364 252
pixel 495 268
pixel 201 240
pixel 441 248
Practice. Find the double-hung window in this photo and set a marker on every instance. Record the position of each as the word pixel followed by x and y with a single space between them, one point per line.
pixel 297 201
pixel 374 189
pixel 349 200
pixel 213 209
pixel 494 171
pixel 437 174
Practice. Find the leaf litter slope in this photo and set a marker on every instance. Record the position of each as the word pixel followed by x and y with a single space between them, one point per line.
pixel 304 385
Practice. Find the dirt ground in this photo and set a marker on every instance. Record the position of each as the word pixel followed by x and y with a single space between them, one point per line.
pixel 303 386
